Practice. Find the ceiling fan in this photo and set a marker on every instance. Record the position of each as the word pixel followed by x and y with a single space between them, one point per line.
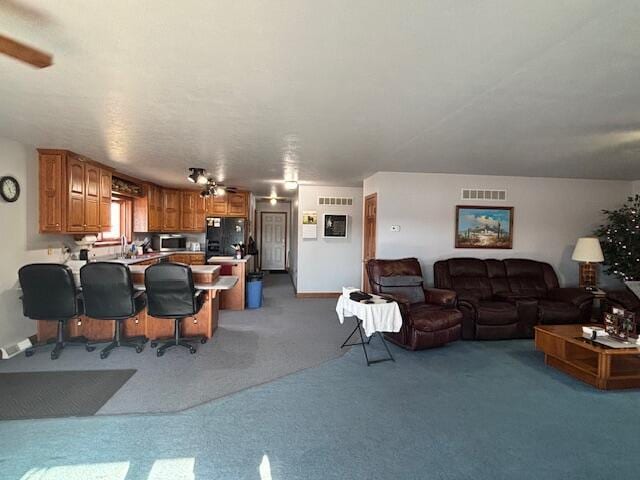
pixel 210 188
pixel 25 53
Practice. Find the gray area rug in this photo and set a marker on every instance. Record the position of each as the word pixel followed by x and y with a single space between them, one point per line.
pixel 26 395
pixel 249 348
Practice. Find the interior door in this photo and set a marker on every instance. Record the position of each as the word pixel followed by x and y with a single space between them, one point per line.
pixel 369 251
pixel 273 243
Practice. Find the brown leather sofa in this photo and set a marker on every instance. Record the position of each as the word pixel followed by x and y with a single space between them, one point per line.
pixel 429 316
pixel 502 299
pixel 624 299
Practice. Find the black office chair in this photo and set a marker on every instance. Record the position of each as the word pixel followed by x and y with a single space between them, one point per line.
pixel 171 294
pixel 49 293
pixel 107 290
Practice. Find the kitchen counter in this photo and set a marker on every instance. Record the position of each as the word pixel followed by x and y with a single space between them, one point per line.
pixel 229 259
pixel 146 257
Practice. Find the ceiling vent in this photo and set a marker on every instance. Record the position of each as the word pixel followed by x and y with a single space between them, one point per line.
pixel 482 194
pixel 335 201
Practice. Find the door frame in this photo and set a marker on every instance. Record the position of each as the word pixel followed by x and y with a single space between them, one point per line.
pixel 286 227
pixel 365 276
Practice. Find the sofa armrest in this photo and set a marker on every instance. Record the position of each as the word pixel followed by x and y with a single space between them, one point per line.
pixel 469 302
pixel 623 299
pixel 575 296
pixel 440 296
pixel 401 300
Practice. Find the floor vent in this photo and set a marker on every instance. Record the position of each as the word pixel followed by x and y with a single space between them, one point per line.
pixel 335 201
pixel 482 194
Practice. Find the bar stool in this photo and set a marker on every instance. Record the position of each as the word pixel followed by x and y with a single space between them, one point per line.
pixel 49 293
pixel 107 289
pixel 172 295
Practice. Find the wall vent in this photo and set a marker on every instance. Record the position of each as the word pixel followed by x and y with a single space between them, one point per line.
pixel 335 201
pixel 483 194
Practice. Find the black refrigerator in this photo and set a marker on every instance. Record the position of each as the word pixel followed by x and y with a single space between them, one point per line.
pixel 222 232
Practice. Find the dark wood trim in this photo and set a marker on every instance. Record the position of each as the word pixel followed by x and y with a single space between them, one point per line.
pixel 318 294
pixel 286 230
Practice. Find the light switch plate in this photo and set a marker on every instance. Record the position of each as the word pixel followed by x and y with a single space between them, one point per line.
pixel 395 228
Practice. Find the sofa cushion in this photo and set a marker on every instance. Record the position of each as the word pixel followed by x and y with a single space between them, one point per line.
pixel 526 277
pixel 496 313
pixel 557 313
pixel 409 286
pixel 431 318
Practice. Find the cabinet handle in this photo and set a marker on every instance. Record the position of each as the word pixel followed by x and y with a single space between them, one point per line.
pixel 57 224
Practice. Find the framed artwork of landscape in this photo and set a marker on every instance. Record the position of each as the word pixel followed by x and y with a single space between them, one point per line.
pixel 484 227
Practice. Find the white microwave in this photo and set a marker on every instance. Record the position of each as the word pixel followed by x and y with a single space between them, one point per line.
pixel 168 243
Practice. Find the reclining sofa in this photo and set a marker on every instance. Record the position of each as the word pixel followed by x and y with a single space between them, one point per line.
pixel 501 299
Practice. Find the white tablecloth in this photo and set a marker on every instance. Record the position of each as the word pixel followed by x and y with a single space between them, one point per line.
pixel 376 317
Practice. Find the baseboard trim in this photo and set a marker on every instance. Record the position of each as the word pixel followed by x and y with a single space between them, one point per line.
pixel 318 294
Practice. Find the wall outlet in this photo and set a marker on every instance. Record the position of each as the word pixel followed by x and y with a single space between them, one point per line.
pixel 395 228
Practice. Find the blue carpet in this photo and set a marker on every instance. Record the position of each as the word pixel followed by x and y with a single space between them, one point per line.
pixel 473 410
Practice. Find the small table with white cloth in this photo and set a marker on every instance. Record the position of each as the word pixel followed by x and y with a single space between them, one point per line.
pixel 376 316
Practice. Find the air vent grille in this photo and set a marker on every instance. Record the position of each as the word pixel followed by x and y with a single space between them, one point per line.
pixel 335 201
pixel 483 194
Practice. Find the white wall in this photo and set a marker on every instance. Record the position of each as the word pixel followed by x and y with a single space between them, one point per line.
pixel 636 187
pixel 550 214
pixel 21 242
pixel 265 206
pixel 328 264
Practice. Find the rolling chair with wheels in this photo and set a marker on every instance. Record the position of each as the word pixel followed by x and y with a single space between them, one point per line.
pixel 172 295
pixel 49 293
pixel 107 290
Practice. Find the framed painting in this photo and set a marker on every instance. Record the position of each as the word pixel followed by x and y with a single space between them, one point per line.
pixel 484 227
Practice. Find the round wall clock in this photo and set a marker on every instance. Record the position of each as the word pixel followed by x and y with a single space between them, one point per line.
pixel 9 189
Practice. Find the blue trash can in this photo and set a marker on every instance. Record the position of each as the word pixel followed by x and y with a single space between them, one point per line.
pixel 254 290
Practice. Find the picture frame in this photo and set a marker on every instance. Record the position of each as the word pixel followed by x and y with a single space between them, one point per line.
pixel 484 227
pixel 335 225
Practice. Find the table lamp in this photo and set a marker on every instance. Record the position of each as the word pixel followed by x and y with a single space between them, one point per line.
pixel 588 252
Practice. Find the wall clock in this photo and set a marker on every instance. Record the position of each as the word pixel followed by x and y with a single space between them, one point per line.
pixel 9 189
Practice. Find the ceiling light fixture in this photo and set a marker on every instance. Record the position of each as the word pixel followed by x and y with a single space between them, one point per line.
pixel 197 176
pixel 290 184
pixel 273 201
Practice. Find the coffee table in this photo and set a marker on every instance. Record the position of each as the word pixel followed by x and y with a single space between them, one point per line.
pixel 603 367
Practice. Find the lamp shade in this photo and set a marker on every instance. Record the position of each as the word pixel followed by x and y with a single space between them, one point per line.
pixel 588 250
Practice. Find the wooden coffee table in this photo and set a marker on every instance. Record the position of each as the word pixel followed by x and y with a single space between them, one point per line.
pixel 603 367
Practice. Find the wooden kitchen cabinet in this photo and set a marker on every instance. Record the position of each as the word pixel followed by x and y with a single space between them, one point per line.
pixel 147 210
pixel 217 206
pixel 75 193
pixel 51 184
pixel 189 210
pixel 171 210
pixel 237 204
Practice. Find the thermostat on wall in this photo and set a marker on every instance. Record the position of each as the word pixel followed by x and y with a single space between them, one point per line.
pixel 395 228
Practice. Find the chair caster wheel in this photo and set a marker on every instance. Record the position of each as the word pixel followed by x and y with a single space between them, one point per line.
pixel 54 356
pixel 154 344
pixel 104 355
pixel 159 353
pixel 192 350
pixel 203 340
pixel 29 353
pixel 89 348
pixel 139 348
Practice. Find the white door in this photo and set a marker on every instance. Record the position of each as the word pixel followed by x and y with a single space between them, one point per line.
pixel 273 245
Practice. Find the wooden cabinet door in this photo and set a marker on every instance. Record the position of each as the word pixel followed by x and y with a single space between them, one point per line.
pixel 237 204
pixel 75 194
pixel 171 210
pixel 217 205
pixel 92 198
pixel 188 210
pixel 50 184
pixel 157 211
pixel 105 200
pixel 201 214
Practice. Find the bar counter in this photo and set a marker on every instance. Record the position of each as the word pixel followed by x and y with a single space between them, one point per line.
pixel 205 322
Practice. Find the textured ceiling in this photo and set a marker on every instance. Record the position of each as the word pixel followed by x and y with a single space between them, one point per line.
pixel 330 91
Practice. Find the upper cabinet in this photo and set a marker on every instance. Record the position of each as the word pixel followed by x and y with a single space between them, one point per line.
pixel 75 193
pixel 237 204
pixel 171 200
pixel 148 211
pixel 194 211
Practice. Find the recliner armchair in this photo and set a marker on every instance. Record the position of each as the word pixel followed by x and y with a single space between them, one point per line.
pixel 429 315
pixel 503 299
